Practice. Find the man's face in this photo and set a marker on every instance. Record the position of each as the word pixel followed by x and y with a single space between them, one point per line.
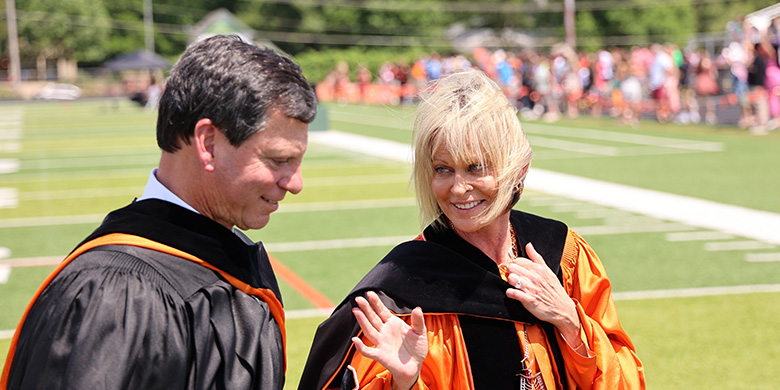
pixel 249 181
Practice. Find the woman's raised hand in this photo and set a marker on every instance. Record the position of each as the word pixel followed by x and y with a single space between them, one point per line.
pixel 398 347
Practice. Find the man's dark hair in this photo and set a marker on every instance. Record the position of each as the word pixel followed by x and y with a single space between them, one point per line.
pixel 234 84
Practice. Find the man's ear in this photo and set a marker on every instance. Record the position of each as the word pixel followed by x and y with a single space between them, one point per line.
pixel 204 139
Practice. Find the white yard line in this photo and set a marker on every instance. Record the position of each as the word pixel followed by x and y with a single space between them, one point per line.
pixel 736 246
pixel 697 236
pixel 572 146
pixel 9 198
pixel 762 257
pixel 638 139
pixel 361 144
pixel 336 244
pixel 51 221
pixel 347 205
pixel 356 180
pixel 5 273
pixel 9 165
pixel 696 292
pixel 81 193
pixel 729 219
pixel 285 208
pixel 33 262
pixel 10 147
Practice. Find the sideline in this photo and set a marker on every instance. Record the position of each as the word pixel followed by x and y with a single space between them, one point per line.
pixel 730 219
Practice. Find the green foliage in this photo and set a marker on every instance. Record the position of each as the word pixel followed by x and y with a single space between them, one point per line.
pixel 588 37
pixel 597 29
pixel 94 31
pixel 713 17
pixel 72 29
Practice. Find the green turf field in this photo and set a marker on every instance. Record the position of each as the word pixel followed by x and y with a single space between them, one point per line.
pixel 64 165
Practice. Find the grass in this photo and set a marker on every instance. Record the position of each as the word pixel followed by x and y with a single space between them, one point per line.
pixel 80 160
pixel 708 342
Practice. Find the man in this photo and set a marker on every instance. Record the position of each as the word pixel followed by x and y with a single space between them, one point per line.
pixel 165 294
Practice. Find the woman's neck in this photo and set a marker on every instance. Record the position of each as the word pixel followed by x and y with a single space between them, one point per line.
pixel 494 239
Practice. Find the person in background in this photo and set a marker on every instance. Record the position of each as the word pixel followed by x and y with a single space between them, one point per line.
pixel 757 71
pixel 166 293
pixel 767 51
pixel 487 297
pixel 153 92
pixel 706 84
pixel 660 70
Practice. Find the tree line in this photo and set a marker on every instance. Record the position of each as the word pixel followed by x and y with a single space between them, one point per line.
pixel 93 31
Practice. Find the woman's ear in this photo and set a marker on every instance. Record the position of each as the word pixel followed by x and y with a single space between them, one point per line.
pixel 524 172
pixel 204 139
pixel 518 188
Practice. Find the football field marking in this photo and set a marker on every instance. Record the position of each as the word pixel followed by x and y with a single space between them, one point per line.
pixel 762 257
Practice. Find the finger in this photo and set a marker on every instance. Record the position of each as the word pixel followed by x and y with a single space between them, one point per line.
pixel 363 349
pixel 516 281
pixel 379 308
pixel 418 321
pixel 369 330
pixel 533 255
pixel 521 296
pixel 521 266
pixel 369 312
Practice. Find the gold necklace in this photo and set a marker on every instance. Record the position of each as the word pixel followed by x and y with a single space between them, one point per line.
pixel 529 380
pixel 513 254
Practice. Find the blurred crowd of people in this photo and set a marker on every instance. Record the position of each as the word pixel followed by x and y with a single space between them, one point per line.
pixel 657 80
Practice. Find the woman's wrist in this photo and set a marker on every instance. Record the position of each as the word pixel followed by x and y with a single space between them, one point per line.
pixel 403 384
pixel 571 329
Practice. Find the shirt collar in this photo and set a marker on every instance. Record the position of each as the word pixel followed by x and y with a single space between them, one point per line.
pixel 156 190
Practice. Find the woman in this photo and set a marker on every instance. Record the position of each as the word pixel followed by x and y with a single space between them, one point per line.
pixel 485 297
pixel 707 84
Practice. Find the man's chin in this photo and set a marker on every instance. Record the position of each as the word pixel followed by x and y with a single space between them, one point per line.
pixel 254 224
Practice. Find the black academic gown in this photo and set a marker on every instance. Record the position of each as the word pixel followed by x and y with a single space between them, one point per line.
pixel 444 274
pixel 125 317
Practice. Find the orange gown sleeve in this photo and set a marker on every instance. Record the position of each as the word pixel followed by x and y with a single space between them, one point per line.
pixel 612 362
pixel 446 367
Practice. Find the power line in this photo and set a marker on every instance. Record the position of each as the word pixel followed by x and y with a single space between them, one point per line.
pixel 334 39
pixel 90 21
pixel 164 9
pixel 484 7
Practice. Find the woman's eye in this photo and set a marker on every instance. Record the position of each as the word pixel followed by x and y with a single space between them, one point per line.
pixel 476 167
pixel 441 169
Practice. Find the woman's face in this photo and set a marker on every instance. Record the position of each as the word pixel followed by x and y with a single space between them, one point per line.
pixel 463 191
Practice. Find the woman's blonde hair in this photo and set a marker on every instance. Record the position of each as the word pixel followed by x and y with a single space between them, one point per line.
pixel 468 114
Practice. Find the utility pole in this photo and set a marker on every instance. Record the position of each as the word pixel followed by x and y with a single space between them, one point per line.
pixel 148 26
pixel 15 69
pixel 568 23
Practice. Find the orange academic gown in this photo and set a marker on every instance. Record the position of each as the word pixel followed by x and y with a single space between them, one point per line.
pixel 611 364
pixel 443 276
